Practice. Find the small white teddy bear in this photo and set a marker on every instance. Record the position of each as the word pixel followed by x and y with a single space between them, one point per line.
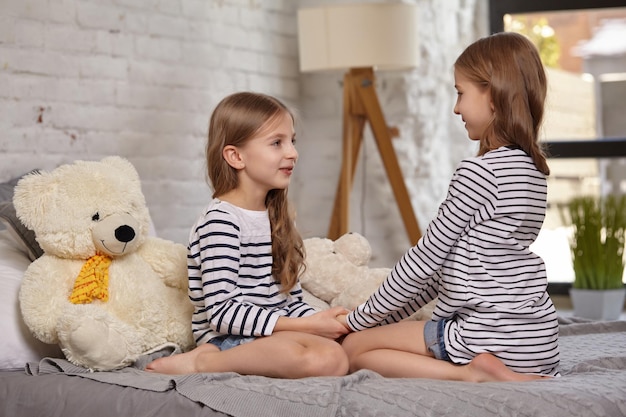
pixel 338 274
pixel 104 290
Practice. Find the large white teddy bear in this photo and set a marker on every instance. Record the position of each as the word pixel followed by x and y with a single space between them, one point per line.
pixel 105 290
pixel 337 273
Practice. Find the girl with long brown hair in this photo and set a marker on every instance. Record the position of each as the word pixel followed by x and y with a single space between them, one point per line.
pixel 245 255
pixel 493 318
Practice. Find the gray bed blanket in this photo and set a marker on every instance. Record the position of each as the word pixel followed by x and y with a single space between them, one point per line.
pixel 593 383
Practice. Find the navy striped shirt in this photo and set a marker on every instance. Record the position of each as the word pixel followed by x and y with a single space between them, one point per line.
pixel 475 256
pixel 231 285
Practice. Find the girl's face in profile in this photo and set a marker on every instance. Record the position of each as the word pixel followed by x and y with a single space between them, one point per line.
pixel 473 104
pixel 270 155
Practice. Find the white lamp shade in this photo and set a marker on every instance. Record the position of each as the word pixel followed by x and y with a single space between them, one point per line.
pixel 377 35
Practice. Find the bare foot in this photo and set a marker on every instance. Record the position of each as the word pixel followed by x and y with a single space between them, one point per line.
pixel 183 363
pixel 485 367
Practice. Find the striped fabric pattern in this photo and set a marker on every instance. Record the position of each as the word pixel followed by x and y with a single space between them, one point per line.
pixel 475 255
pixel 231 285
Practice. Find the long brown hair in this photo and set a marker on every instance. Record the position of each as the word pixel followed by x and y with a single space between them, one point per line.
pixel 234 121
pixel 509 65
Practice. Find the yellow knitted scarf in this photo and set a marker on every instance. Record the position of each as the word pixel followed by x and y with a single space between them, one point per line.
pixel 92 281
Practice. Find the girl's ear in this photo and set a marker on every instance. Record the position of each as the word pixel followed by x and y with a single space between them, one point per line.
pixel 233 157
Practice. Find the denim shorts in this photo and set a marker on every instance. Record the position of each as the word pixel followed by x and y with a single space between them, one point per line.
pixel 433 337
pixel 228 341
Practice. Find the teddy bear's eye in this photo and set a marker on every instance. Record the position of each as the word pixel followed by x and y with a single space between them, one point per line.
pixel 95 217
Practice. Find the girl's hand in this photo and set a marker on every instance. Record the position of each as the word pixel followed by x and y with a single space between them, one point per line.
pixel 323 323
pixel 327 324
pixel 342 318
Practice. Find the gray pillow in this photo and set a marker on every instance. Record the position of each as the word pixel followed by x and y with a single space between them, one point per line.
pixel 8 218
pixel 6 190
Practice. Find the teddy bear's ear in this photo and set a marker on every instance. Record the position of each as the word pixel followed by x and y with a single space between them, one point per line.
pixel 121 165
pixel 31 197
pixel 355 247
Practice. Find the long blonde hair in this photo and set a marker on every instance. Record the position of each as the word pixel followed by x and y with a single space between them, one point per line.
pixel 234 121
pixel 509 65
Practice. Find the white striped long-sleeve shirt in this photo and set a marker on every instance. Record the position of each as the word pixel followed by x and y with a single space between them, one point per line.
pixel 231 284
pixel 475 256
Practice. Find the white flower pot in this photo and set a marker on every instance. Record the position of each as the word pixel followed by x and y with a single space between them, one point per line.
pixel 598 304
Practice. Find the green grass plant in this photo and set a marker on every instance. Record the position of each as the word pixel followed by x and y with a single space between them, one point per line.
pixel 597 244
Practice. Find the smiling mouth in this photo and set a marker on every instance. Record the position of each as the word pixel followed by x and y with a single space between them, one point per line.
pixel 112 251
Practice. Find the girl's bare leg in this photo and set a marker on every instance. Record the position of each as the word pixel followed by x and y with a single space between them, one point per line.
pixel 398 350
pixel 281 355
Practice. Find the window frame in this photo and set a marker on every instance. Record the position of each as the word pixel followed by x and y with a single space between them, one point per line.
pixel 498 8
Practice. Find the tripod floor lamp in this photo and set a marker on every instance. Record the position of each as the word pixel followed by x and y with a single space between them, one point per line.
pixel 359 38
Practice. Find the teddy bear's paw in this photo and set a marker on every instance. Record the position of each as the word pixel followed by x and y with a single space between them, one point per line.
pixel 94 344
pixel 176 326
pixel 168 260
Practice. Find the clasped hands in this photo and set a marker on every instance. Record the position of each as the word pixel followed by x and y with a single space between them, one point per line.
pixel 332 322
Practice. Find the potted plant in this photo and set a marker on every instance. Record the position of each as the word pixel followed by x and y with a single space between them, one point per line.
pixel 597 247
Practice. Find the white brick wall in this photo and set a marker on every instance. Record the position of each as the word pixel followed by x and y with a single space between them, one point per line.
pixel 82 79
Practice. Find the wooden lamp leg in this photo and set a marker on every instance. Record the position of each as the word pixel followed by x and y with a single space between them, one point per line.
pixel 361 104
pixel 352 137
pixel 385 147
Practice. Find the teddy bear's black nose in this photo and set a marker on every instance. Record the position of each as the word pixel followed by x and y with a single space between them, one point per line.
pixel 124 233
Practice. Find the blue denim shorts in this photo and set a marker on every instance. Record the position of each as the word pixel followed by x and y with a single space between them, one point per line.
pixel 227 341
pixel 433 336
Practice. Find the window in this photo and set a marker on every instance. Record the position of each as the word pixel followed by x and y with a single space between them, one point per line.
pixel 584 127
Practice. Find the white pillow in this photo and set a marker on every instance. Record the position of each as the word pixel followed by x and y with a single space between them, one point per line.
pixel 17 345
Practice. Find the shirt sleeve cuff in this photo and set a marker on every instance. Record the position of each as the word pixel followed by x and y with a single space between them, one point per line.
pixel 271 323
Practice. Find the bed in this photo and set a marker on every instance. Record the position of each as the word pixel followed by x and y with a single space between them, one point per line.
pixel 593 383
pixel 35 379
